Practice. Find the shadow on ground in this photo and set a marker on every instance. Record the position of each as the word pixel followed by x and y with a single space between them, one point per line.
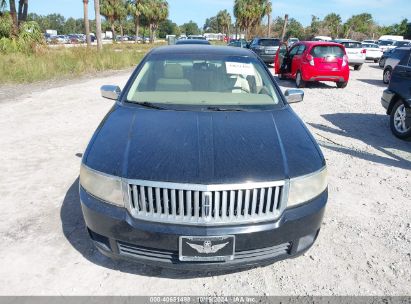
pixel 74 230
pixel 373 130
pixel 375 82
pixel 290 83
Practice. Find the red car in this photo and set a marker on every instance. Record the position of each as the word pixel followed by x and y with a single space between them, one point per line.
pixel 313 61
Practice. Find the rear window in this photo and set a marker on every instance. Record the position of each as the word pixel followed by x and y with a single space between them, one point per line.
pixel 269 42
pixel 351 45
pixel 322 51
pixel 385 43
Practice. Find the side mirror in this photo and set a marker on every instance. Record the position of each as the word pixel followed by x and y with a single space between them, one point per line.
pixel 110 92
pixel 294 95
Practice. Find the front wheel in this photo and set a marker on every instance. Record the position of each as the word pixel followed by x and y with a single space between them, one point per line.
pixel 357 67
pixel 400 121
pixel 381 63
pixel 342 85
pixel 386 76
pixel 299 82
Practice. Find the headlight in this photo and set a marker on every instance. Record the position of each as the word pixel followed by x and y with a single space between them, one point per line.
pixel 103 186
pixel 305 188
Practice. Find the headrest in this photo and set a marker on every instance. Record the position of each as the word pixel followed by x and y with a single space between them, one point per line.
pixel 173 71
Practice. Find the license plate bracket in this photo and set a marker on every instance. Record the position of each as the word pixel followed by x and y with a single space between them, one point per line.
pixel 206 248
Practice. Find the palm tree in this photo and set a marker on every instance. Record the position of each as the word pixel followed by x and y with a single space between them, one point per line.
pixel 98 24
pixel 23 10
pixel 155 11
pixel 333 23
pixel 135 8
pixel 249 14
pixel 109 9
pixel 224 22
pixel 13 14
pixel 268 9
pixel 86 22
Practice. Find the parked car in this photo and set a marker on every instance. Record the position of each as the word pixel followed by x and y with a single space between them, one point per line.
pixel 391 62
pixel 309 61
pixel 322 38
pixel 201 164
pixel 372 51
pixel 291 41
pixel 396 99
pixel 193 41
pixel 401 43
pixel 265 48
pixel 370 41
pixel 355 52
pixel 196 37
pixel 238 43
pixel 384 57
pixel 385 45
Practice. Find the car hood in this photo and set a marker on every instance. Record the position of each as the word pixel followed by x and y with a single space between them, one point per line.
pixel 203 147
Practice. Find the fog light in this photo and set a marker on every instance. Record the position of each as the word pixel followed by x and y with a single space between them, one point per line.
pixel 307 241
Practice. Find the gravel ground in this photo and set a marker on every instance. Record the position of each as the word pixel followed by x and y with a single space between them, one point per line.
pixel 364 247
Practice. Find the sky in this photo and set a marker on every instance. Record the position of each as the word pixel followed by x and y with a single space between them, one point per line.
pixel 385 12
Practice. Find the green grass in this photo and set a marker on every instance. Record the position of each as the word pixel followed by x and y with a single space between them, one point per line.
pixel 63 63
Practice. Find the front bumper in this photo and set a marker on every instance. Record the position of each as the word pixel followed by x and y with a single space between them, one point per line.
pixel 386 98
pixel 118 235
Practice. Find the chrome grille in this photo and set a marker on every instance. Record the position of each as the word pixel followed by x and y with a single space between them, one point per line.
pixel 206 204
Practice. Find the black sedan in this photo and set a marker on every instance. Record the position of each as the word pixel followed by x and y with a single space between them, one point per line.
pixel 202 164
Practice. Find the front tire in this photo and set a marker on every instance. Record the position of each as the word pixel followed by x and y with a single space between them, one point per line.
pixel 299 82
pixel 400 121
pixel 357 67
pixel 386 76
pixel 381 63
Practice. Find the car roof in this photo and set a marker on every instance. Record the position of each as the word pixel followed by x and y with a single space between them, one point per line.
pixel 314 43
pixel 193 41
pixel 202 49
pixel 345 40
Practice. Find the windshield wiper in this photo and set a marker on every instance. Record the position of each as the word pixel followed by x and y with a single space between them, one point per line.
pixel 150 105
pixel 225 109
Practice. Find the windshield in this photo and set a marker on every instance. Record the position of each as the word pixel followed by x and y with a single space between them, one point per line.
pixel 351 45
pixel 203 80
pixel 269 42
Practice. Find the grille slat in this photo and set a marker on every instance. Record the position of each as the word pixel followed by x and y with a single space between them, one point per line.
pixel 183 204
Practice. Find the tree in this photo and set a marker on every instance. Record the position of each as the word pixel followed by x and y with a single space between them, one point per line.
pixel 23 10
pixel 14 19
pixel 294 29
pixel 268 9
pixel 136 7
pixel 167 27
pixel 155 11
pixel 249 14
pixel 86 22
pixel 190 28
pixel 111 9
pixel 98 24
pixel 211 25
pixel 224 22
pixel 332 23
pixel 361 23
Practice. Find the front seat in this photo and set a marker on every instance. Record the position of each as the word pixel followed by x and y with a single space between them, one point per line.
pixel 173 79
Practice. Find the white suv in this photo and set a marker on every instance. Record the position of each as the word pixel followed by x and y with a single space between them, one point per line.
pixel 355 52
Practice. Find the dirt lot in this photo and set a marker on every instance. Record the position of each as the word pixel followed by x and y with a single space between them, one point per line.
pixel 364 247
